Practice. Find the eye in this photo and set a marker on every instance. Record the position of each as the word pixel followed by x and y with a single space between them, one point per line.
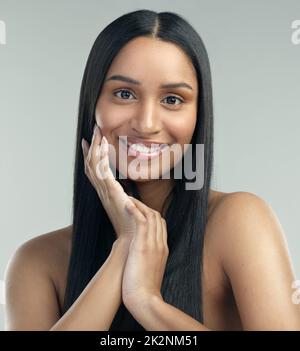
pixel 125 92
pixel 174 98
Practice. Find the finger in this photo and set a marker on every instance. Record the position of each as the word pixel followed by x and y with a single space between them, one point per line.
pixel 95 143
pixel 85 148
pixel 152 229
pixel 89 155
pixel 102 163
pixel 109 185
pixel 105 172
pixel 133 210
pixel 148 212
pixel 159 230
pixel 142 207
pixel 140 221
pixel 164 232
pixel 151 217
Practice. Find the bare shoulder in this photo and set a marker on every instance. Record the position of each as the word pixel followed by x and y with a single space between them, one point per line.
pixel 241 212
pixel 252 250
pixel 47 249
pixel 30 290
pixel 241 206
pixel 238 221
pixel 233 198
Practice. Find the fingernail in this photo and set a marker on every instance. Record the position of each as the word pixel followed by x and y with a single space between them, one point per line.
pixel 95 128
pixel 82 142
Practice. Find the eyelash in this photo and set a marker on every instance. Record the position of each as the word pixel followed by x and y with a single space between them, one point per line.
pixel 181 101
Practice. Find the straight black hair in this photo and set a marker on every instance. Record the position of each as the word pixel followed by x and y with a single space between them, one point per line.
pixel 186 215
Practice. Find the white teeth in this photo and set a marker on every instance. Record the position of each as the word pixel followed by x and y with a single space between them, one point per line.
pixel 144 149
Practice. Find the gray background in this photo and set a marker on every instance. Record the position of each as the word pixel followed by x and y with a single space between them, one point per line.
pixel 256 84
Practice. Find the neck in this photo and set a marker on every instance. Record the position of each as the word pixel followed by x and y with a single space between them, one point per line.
pixel 153 193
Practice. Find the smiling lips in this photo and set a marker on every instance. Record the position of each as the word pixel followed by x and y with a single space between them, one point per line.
pixel 142 142
pixel 141 148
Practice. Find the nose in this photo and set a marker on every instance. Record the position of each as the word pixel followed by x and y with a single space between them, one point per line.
pixel 146 122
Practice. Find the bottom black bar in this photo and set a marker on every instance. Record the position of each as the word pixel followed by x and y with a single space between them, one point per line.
pixel 147 340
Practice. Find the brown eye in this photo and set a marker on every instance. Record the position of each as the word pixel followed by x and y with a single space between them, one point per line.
pixel 174 98
pixel 124 93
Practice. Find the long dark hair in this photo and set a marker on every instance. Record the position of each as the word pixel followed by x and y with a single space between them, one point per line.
pixel 186 215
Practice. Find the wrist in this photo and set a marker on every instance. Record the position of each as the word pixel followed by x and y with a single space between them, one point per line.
pixel 141 299
pixel 123 241
pixel 121 245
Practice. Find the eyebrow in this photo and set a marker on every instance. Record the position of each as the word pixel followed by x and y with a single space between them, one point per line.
pixel 136 82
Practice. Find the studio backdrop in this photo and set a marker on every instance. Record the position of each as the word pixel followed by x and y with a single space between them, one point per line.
pixel 254 52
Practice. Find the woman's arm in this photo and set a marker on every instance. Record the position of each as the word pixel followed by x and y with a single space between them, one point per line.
pixel 256 259
pixel 254 255
pixel 144 271
pixel 154 314
pixel 31 299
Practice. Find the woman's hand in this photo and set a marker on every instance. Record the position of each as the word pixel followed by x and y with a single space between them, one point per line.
pixel 109 190
pixel 147 257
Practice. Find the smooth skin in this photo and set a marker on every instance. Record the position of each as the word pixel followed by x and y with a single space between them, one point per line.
pixel 110 192
pixel 248 274
pixel 253 254
pixel 106 284
pixel 148 253
pixel 142 107
pixel 250 248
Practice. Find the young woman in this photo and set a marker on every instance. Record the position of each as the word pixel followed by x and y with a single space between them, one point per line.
pixel 146 253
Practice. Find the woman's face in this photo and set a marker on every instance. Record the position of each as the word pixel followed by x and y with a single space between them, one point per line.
pixel 146 110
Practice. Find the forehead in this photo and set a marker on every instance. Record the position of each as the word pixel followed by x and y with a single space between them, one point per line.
pixel 149 60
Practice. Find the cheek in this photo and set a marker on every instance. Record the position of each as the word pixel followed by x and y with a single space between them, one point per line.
pixel 109 118
pixel 182 129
